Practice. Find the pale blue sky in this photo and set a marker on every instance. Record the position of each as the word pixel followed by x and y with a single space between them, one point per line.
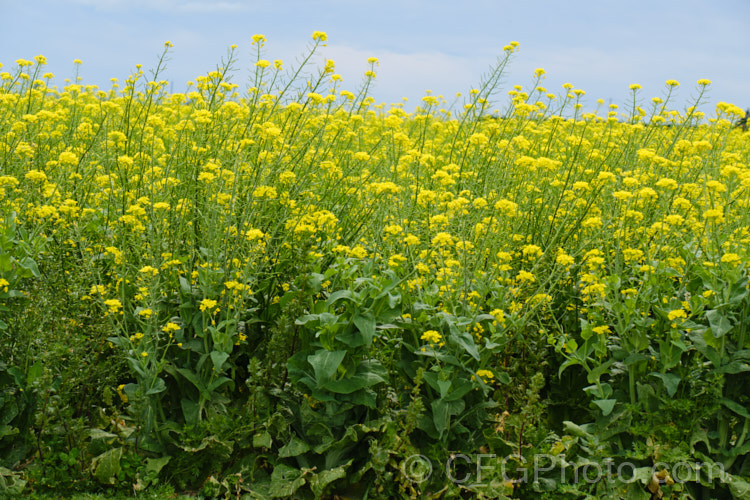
pixel 598 46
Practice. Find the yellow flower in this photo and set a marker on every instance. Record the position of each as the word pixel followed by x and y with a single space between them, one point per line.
pixel 442 239
pixel 432 336
pixel 601 330
pixel 123 396
pixel 486 374
pixel 730 258
pixel 676 313
pixel 114 305
pixel 525 277
pixel 149 270
pixel 170 327
pixel 207 304
pixel 36 176
pixel 147 313
pixel 319 36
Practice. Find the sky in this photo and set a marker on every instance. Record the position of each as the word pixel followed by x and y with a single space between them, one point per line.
pixel 599 46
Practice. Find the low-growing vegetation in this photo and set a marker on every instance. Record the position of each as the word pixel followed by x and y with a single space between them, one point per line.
pixel 291 291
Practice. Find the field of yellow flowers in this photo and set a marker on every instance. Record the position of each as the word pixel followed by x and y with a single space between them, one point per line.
pixel 291 291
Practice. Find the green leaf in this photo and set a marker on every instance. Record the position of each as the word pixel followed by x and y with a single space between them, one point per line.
pixel 28 267
pixel 440 416
pixel 293 448
pixel 595 374
pixel 219 358
pixel 320 481
pixel 285 481
pixel 720 324
pixel 366 325
pixel 325 363
pixel 671 381
pixel 191 377
pixel 262 440
pixel 218 384
pixel 151 472
pixel 157 387
pixel 461 387
pixel 503 377
pixel 566 364
pixel 354 383
pixel 443 386
pixel 106 466
pixel 339 295
pixel 11 483
pixel 739 488
pixel 735 407
pixel 606 405
pixel 95 434
pixel 185 286
pixel 466 341
pixel 575 430
pixel 636 357
pixel 733 367
pixel 190 411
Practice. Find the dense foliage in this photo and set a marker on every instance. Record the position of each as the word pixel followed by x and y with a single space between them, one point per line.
pixel 297 292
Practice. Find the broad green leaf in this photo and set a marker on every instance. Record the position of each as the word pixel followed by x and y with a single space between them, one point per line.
pixel 190 411
pixel 339 295
pixel 595 374
pixel 11 483
pixel 101 434
pixel 157 387
pixel 466 341
pixel 106 466
pixel 576 430
pixel 671 381
pixel 293 448
pixel 735 407
pixel 503 377
pixel 720 324
pixel 262 440
pixel 218 384
pixel 739 488
pixel 321 480
pixel 285 481
pixel 27 268
pixel 354 383
pixel 185 287
pixel 191 377
pixel 307 319
pixel 733 367
pixel 219 358
pixel 606 405
pixel 325 363
pixel 636 357
pixel 461 387
pixel 366 325
pixel 34 372
pixel 443 386
pixel 440 416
